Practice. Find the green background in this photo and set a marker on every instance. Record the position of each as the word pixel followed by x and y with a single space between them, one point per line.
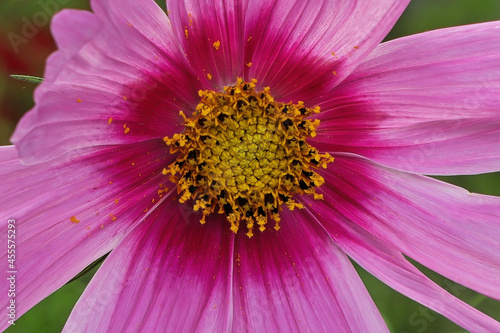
pixel 401 314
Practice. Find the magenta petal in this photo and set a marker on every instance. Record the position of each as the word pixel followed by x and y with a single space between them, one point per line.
pixel 70 41
pixel 427 103
pixel 297 280
pixel 211 33
pixel 444 227
pixel 70 212
pixel 304 48
pixel 389 265
pixel 170 274
pixel 119 78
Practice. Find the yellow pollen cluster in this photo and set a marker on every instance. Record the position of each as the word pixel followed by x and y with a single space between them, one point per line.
pixel 244 154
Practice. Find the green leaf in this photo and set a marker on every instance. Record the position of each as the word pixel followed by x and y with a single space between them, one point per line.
pixel 88 268
pixel 27 78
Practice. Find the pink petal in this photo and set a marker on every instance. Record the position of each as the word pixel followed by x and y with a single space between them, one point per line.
pixel 444 227
pixel 427 103
pixel 117 78
pixel 211 33
pixel 297 280
pixel 389 265
pixel 70 212
pixel 170 274
pixel 290 42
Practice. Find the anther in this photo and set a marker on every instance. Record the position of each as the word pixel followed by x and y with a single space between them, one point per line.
pixel 303 185
pixel 287 123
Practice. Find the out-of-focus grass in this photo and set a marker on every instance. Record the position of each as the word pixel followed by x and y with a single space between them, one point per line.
pixel 402 315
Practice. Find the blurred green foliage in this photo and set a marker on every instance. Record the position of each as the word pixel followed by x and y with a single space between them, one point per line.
pixel 402 315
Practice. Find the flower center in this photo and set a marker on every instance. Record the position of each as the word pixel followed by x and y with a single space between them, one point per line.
pixel 244 155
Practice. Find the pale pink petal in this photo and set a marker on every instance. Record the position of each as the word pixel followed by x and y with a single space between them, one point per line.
pixel 297 280
pixel 444 227
pixel 427 103
pixel 389 265
pixel 304 48
pixel 170 274
pixel 212 35
pixel 70 212
pixel 118 78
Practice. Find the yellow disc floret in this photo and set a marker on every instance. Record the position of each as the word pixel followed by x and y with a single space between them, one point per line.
pixel 244 154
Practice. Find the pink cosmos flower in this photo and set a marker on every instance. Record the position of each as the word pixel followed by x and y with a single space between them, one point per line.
pixel 85 174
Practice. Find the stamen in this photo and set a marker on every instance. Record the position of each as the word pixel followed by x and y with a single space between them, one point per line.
pixel 243 154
